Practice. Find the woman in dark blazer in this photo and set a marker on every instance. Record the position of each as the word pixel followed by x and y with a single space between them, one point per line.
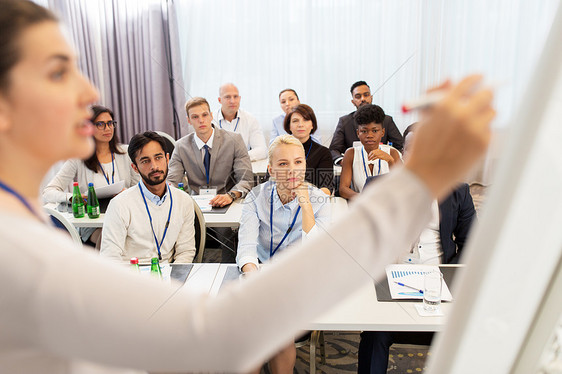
pixel 301 123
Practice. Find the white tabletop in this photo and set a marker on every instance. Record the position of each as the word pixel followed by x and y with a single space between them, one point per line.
pixel 259 167
pixel 80 222
pixel 231 218
pixel 362 311
pixel 359 312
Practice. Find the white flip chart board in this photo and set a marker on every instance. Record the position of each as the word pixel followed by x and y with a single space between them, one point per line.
pixel 514 255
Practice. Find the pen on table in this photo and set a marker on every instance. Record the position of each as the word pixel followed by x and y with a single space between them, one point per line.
pixel 410 287
pixel 434 97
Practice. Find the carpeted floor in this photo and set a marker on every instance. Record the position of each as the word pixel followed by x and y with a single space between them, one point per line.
pixel 341 356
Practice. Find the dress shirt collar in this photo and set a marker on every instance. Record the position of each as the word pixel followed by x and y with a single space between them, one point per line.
pixel 220 116
pixel 152 197
pixel 200 144
pixel 277 204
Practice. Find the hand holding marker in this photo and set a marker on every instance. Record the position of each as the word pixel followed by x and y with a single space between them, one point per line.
pixel 434 97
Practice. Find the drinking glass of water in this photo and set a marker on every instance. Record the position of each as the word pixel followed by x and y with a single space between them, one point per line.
pixel 432 290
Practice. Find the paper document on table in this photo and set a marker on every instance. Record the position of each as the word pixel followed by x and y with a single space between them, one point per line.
pixel 411 276
pixel 110 190
pixel 204 202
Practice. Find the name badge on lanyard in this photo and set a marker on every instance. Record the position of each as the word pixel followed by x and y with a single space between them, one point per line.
pixel 271 250
pixel 370 162
pixel 158 243
pixel 208 190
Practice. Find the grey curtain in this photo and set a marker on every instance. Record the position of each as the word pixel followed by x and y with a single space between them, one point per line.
pixel 130 51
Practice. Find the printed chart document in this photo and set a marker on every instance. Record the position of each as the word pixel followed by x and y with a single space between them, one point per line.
pixel 204 202
pixel 412 276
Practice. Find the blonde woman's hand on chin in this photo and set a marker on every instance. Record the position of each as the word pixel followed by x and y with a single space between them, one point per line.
pixel 303 198
pixel 301 194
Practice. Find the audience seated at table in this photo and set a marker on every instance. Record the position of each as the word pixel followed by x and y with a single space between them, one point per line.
pixel 288 100
pixel 279 213
pixel 215 161
pixel 345 134
pixel 301 123
pixel 231 118
pixel 151 219
pixel 369 159
pixel 441 242
pixel 109 164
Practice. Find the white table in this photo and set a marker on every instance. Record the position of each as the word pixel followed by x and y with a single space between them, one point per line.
pixel 361 311
pixel 231 218
pixel 80 222
pixel 259 167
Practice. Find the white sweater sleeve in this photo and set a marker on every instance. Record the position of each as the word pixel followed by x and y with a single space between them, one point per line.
pixel 92 310
pixel 54 192
pixel 115 226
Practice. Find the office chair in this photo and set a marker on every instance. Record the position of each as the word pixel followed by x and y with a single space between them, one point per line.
pixel 200 233
pixel 63 223
pixel 169 140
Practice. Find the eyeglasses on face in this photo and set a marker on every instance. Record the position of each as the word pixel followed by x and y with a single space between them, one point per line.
pixel 101 125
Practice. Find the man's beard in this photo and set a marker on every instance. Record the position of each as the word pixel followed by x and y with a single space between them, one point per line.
pixel 151 181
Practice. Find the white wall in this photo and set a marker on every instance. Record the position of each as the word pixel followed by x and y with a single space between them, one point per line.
pixel 320 48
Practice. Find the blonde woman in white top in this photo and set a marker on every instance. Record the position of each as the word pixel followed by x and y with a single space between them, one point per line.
pixel 370 158
pixel 74 312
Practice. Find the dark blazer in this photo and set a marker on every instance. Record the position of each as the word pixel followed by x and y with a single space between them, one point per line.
pixel 319 167
pixel 346 133
pixel 456 213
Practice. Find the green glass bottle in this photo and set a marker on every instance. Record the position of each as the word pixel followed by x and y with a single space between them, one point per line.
pixel 180 186
pixel 77 202
pixel 93 206
pixel 155 268
pixel 135 264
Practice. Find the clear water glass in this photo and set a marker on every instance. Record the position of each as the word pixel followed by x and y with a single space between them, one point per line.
pixel 432 284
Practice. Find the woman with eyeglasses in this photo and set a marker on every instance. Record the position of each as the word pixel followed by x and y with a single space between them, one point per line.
pixel 109 164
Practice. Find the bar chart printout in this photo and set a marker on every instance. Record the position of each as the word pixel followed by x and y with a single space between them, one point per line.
pixel 405 281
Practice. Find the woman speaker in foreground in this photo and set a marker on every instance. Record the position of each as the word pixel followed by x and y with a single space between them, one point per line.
pixel 67 310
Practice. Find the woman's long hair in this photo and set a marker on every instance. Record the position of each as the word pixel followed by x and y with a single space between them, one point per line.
pixel 93 163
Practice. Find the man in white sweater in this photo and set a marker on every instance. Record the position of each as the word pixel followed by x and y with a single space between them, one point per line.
pixel 150 219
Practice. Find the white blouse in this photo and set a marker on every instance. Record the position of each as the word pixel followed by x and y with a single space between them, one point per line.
pixel 63 307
